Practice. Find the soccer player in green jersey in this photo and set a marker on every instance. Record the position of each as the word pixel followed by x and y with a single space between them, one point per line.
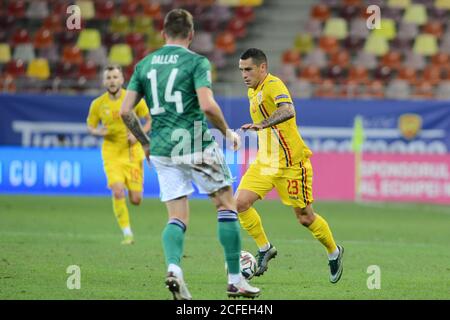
pixel 176 83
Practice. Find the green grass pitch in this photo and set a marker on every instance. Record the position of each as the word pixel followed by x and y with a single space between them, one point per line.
pixel 41 236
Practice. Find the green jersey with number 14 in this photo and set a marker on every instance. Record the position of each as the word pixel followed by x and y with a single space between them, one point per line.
pixel 168 79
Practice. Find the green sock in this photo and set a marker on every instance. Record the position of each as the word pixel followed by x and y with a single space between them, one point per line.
pixel 173 241
pixel 229 233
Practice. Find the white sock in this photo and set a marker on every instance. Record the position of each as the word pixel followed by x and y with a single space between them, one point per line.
pixel 333 255
pixel 234 278
pixel 127 231
pixel 265 247
pixel 176 270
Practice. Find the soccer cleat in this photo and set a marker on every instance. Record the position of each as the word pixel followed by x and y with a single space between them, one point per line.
pixel 242 289
pixel 263 260
pixel 336 266
pixel 128 240
pixel 178 287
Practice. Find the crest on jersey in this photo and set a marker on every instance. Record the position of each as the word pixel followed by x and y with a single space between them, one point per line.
pixel 259 97
pixel 410 125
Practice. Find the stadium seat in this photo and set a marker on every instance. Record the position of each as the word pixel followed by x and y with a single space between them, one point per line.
pixel 129 9
pixel 414 60
pixel 433 27
pixel 313 27
pixel 398 89
pixel 15 68
pixel 358 74
pixel 336 28
pixel 24 52
pixel 134 39
pixel 7 84
pixel 43 38
pixel 37 10
pixel 443 90
pixel 291 57
pixel 402 45
pixel 5 53
pixel 311 73
pixel 335 73
pixel 121 54
pixel 387 29
pixel 246 13
pixel 111 39
pixel 328 44
pixel 51 54
pixel 67 38
pixel 120 24
pixel 442 4
pixel 237 27
pixel 408 74
pixel 399 3
pixel 98 56
pixel 423 91
pixel 53 23
pixel 17 8
pixel 432 74
pixel 358 28
pixel 87 9
pixel 426 44
pixel 395 14
pixel 72 55
pixel 304 42
pixel 407 30
pixel 445 44
pixel 441 60
pixel 104 9
pixel 376 45
pixel 353 44
pixel 217 58
pixel 20 36
pixel 391 59
pixel 153 9
pixel 340 58
pixel 143 24
pixel 437 14
pixel 287 73
pixel 39 69
pixel 89 39
pixel 316 57
pixel 301 88
pixel 349 12
pixel 326 89
pixel 225 42
pixel 203 42
pixel 88 70
pixel 416 13
pixel 383 73
pixel 155 41
pixel 320 12
pixel 375 90
pixel 365 59
pixel 65 71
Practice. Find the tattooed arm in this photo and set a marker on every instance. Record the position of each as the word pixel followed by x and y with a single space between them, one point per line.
pixel 284 112
pixel 132 121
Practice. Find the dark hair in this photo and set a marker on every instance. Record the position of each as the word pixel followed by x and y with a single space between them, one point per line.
pixel 178 23
pixel 257 55
pixel 111 67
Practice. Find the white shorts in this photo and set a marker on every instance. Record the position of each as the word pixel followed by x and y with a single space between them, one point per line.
pixel 207 170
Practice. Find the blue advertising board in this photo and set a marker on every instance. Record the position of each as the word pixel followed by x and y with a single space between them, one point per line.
pixel 421 127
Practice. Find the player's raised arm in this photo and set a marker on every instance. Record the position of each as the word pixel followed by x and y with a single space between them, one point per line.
pixel 214 114
pixel 132 121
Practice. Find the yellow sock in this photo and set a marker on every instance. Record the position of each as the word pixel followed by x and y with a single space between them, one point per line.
pixel 121 212
pixel 321 231
pixel 251 221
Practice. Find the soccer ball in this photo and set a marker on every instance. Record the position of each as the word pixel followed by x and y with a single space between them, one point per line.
pixel 248 264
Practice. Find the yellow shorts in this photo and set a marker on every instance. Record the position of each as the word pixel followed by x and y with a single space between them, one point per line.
pixel 131 174
pixel 294 184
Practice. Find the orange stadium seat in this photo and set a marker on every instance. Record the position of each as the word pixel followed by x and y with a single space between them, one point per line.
pixel 153 9
pixel 43 38
pixel 407 73
pixel 340 58
pixel 375 90
pixel 72 54
pixel 326 89
pixel 104 9
pixel 358 74
pixel 53 23
pixel 328 44
pixel 237 27
pixel 291 56
pixel 311 73
pixel 225 42
pixel 320 12
pixel 432 74
pixel 391 59
pixel 423 90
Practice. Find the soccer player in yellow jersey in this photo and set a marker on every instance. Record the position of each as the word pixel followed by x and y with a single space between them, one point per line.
pixel 122 154
pixel 282 162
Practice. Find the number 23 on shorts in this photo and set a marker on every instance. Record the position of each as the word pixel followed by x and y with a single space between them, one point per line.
pixel 292 187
